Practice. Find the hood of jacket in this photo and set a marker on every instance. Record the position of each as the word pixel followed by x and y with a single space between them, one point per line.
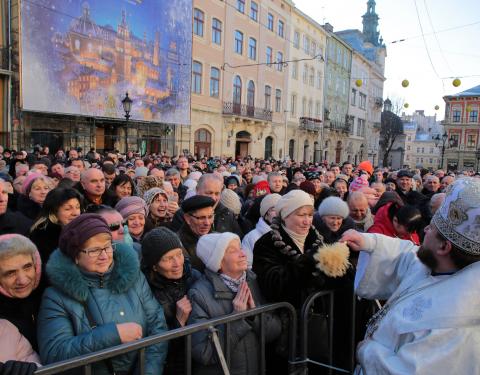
pixel 262 226
pixel 66 276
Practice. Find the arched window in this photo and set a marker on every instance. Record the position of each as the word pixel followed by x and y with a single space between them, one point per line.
pixel 291 148
pixel 251 95
pixel 203 135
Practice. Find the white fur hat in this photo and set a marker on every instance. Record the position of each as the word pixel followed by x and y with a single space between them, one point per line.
pixel 211 248
pixel 291 201
pixel 268 202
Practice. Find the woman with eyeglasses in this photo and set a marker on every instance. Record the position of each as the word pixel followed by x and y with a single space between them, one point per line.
pixel 98 299
pixel 61 206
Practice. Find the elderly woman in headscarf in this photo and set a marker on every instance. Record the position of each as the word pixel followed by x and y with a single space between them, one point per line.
pixel 227 287
pixel 98 299
pixel 35 189
pixel 160 209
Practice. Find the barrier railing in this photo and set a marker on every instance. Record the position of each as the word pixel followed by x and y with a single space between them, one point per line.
pixel 86 361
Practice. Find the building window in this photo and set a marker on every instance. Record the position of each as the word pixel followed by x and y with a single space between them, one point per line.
pixel 252 49
pixel 254 11
pixel 306 44
pixel 216 31
pixel 353 99
pixel 304 106
pixel 293 105
pixel 363 101
pixel 197 77
pixel 295 69
pixel 238 42
pixel 318 109
pixel 296 39
pixel 270 21
pixel 279 61
pixel 251 94
pixel 454 138
pixel 473 117
pixel 319 80
pixel 278 100
pixel 214 82
pixel 281 28
pixel 269 56
pixel 471 140
pixel 198 20
pixel 305 74
pixel 456 115
pixel 310 108
pixel 237 91
pixel 241 6
pixel 311 78
pixel 408 148
pixel 268 97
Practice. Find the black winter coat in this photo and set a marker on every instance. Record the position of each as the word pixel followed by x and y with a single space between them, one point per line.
pixel 290 278
pixel 189 242
pixel 28 207
pixel 168 292
pixel 46 239
pixel 15 222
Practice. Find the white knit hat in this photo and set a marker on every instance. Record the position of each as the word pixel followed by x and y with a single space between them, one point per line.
pixel 211 248
pixel 333 206
pixel 291 201
pixel 190 184
pixel 194 175
pixel 257 178
pixel 268 202
pixel 231 200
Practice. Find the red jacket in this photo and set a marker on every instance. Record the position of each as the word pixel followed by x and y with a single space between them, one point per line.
pixel 383 225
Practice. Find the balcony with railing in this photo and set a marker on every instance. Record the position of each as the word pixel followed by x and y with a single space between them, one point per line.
pixel 247 111
pixel 310 124
pixel 340 126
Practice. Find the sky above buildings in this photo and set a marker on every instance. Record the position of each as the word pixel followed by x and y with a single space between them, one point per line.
pixel 452 35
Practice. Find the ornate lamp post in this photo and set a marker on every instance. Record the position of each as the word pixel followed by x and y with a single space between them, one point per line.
pixel 127 107
pixel 444 140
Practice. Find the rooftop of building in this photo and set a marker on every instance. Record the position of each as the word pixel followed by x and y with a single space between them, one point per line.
pixel 474 91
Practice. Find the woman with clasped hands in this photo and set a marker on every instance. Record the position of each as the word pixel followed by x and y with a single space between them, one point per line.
pixel 227 287
pixel 98 299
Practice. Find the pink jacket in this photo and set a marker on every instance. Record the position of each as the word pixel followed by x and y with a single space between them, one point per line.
pixel 13 346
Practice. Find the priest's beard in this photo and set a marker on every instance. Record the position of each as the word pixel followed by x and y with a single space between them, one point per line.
pixel 426 257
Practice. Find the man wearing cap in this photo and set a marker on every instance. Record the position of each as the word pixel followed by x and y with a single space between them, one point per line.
pixel 404 181
pixel 199 215
pixel 429 324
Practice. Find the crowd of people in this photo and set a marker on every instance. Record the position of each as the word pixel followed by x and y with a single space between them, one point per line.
pixel 99 250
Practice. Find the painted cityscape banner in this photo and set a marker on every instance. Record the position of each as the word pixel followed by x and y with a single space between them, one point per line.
pixel 81 57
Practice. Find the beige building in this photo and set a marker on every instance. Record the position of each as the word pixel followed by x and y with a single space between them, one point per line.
pixel 237 106
pixel 304 109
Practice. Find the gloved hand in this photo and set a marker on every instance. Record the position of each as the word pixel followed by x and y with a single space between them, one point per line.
pixel 17 368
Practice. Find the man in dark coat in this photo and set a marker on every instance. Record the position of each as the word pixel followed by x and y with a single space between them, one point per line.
pixel 93 188
pixel 210 185
pixel 199 216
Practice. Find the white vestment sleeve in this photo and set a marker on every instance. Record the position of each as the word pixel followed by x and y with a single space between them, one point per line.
pixel 439 351
pixel 387 262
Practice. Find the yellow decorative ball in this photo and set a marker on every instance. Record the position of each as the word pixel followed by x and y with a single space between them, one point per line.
pixel 469 108
pixel 437 107
pixel 456 82
pixel 406 105
pixel 405 83
pixel 358 83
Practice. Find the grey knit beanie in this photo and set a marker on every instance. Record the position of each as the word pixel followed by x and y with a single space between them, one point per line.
pixel 333 206
pixel 231 200
pixel 156 243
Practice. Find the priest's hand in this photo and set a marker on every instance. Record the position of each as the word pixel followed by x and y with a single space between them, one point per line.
pixel 354 240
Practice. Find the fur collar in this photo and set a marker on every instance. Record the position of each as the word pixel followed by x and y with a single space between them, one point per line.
pixel 65 275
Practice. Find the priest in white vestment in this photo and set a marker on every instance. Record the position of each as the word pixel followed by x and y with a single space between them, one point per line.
pixel 430 323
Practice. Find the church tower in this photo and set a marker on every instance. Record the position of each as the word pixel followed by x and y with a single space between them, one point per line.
pixel 370 24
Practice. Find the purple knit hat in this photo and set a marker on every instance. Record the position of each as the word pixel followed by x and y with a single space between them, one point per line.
pixel 131 205
pixel 80 230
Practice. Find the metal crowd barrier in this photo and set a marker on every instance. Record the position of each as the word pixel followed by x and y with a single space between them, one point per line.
pixel 86 361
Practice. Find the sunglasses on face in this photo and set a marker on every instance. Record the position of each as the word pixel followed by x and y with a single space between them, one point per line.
pixel 115 226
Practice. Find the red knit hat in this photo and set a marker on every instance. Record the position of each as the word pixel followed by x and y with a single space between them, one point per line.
pixel 366 166
pixel 261 188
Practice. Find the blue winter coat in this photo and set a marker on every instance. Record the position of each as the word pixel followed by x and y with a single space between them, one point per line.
pixel 121 295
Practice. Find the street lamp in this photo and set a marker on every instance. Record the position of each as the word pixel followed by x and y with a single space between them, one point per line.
pixel 127 107
pixel 444 140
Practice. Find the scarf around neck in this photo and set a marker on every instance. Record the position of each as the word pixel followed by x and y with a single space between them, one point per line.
pixel 298 239
pixel 231 283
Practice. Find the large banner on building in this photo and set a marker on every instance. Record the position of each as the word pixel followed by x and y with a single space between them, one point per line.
pixel 81 57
